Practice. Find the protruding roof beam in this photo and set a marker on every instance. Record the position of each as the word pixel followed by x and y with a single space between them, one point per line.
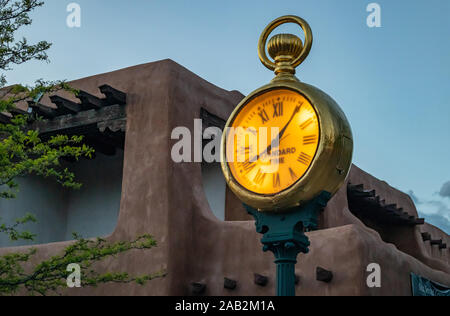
pixel 365 193
pixel 391 208
pixel 419 221
pixel 211 120
pixel 42 110
pixel 113 96
pixel 65 106
pixel 16 111
pixel 4 118
pixel 426 236
pixel 229 284
pixel 436 242
pixel 323 275
pixel 355 187
pixel 260 280
pixel 367 203
pixel 89 101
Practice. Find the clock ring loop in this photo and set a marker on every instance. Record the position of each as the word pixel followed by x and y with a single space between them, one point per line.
pixel 273 25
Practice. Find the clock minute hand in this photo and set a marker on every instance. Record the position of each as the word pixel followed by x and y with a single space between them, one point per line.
pixel 280 134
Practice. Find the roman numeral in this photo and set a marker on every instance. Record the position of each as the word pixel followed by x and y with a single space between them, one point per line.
pixel 310 139
pixel 304 158
pixel 293 175
pixel 277 109
pixel 247 166
pixel 264 116
pixel 244 150
pixel 276 180
pixel 306 123
pixel 259 178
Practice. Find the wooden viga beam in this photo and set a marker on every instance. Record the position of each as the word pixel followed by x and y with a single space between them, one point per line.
pixel 89 101
pixel 42 110
pixel 14 112
pixel 363 201
pixel 436 242
pixel 402 216
pixel 355 187
pixel 64 106
pixel 426 236
pixel 419 221
pixel 439 243
pixel 358 191
pixel 367 199
pixel 5 118
pixel 113 96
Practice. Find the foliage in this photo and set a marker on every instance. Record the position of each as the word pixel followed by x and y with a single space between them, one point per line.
pixel 13 16
pixel 12 230
pixel 23 152
pixel 49 276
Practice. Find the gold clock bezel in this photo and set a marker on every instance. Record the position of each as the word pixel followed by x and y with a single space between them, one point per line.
pixel 330 164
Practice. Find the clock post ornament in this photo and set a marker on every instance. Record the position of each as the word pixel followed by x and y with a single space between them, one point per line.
pixel 304 158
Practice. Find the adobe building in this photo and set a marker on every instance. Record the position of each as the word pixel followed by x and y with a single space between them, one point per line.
pixel 204 235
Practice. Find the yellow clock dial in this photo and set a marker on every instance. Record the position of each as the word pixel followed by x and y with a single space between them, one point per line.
pixel 257 162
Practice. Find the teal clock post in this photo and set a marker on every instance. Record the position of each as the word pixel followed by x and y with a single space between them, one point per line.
pixel 284 235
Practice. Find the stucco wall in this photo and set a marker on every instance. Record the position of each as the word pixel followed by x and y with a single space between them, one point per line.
pixel 168 200
pixel 215 187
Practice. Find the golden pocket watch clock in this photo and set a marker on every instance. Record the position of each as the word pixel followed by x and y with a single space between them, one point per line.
pixel 311 148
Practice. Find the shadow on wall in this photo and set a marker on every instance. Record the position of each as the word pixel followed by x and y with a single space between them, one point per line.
pixel 214 186
pixel 223 203
pixel 91 211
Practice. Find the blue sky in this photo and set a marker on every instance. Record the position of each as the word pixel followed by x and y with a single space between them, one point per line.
pixel 392 82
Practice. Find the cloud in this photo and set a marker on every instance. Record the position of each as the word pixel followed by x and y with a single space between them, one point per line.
pixel 436 211
pixel 435 207
pixel 439 221
pixel 445 190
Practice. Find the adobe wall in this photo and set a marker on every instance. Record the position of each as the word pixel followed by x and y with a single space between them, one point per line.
pixel 167 200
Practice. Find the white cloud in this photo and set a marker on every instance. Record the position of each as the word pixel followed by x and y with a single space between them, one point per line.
pixel 445 190
pixel 435 211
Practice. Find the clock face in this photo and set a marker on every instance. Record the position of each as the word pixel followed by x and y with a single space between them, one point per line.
pixel 256 160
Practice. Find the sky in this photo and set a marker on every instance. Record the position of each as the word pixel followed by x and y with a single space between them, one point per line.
pixel 392 82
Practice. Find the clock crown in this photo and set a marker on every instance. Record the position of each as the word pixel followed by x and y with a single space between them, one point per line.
pixel 284 48
pixel 287 50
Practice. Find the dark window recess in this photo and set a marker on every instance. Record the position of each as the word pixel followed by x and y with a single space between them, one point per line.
pixel 210 120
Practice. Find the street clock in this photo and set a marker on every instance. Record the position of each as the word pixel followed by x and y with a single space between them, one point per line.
pixel 310 151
